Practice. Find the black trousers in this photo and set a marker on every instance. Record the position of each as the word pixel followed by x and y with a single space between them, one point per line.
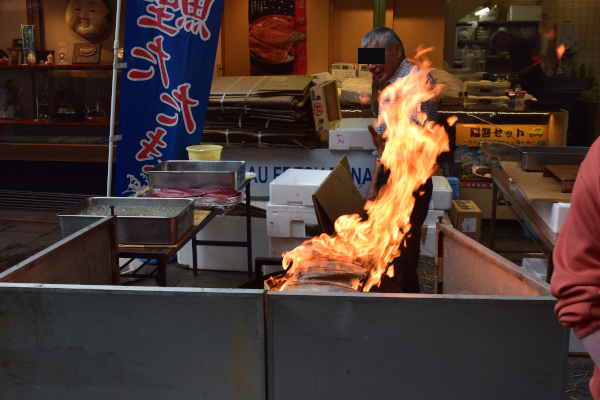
pixel 405 266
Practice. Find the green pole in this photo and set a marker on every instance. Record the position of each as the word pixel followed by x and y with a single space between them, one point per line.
pixel 378 13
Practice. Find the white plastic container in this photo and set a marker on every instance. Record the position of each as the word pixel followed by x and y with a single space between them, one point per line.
pixel 538 267
pixel 432 216
pixel 295 187
pixel 441 197
pixel 290 221
pixel 553 214
pixel 279 245
pixel 352 134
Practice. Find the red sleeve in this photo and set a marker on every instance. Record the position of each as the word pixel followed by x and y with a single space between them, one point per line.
pixel 576 279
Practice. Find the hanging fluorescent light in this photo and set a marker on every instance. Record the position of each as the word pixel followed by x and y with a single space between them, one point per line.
pixel 482 11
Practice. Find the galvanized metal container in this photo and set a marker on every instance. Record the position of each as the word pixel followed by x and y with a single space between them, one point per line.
pixel 198 175
pixel 533 158
pixel 133 229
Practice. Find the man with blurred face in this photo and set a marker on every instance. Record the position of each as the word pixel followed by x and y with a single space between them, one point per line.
pixel 89 18
pixel 397 66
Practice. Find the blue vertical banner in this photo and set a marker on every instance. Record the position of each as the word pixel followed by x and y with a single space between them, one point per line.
pixel 170 48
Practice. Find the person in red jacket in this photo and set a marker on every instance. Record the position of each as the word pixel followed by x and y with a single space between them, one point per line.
pixel 576 279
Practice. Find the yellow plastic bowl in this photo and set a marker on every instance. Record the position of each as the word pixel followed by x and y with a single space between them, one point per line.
pixel 205 152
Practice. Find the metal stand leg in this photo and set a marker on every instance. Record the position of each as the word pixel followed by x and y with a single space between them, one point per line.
pixel 550 268
pixel 194 254
pixel 493 221
pixel 161 273
pixel 249 229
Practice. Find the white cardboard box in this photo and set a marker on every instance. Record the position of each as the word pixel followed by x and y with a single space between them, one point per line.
pixel 441 197
pixel 295 187
pixel 229 228
pixel 553 214
pixel 352 134
pixel 524 13
pixel 290 221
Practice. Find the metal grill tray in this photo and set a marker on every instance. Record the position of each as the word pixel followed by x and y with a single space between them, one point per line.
pixel 198 175
pixel 133 229
pixel 533 158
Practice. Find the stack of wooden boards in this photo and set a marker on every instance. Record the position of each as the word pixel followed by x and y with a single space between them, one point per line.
pixel 261 111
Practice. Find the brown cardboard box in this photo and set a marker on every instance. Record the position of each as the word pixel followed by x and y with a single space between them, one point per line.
pixel 325 105
pixel 337 196
pixel 466 218
pixel 481 192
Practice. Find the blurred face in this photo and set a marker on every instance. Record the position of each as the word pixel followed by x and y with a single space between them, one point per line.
pixel 383 72
pixel 88 18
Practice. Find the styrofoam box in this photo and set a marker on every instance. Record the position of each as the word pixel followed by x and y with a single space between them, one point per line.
pixel 279 245
pixel 427 247
pixel 289 221
pixel 227 228
pixel 553 214
pixel 441 197
pixel 432 216
pixel 538 267
pixel 295 187
pixel 524 13
pixel 352 134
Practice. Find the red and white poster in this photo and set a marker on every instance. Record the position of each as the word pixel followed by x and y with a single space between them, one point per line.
pixel 277 37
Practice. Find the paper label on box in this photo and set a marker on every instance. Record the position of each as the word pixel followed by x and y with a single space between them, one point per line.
pixel 469 225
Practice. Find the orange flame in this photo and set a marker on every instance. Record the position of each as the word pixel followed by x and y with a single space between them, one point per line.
pixel 560 50
pixel 410 154
pixel 364 98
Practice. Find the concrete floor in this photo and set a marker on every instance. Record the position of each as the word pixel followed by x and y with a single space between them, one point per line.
pixel 25 233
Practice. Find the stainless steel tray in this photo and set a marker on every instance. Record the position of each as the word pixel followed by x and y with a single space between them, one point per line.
pixel 533 158
pixel 198 175
pixel 133 229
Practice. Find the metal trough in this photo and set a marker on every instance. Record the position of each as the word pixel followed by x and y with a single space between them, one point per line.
pixel 198 175
pixel 492 334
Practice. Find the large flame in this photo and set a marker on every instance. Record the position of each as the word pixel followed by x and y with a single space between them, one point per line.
pixel 560 50
pixel 410 155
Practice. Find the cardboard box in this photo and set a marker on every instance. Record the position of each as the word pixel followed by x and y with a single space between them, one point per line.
pixel 337 196
pixel 481 192
pixel 466 218
pixel 325 105
pixel 352 134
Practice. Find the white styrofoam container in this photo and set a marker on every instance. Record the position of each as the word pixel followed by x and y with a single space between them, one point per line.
pixel 432 216
pixel 427 247
pixel 553 214
pixel 538 267
pixel 227 228
pixel 290 221
pixel 295 187
pixel 279 245
pixel 524 13
pixel 352 134
pixel 441 197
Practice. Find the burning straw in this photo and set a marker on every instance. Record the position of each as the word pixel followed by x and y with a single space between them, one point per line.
pixel 410 155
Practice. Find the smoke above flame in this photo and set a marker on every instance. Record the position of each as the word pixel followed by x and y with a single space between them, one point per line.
pixel 410 155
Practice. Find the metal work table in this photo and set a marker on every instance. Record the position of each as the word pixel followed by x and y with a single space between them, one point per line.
pixel 162 253
pixel 506 192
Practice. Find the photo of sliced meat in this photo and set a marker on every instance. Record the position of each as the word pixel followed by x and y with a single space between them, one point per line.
pixel 279 25
pixel 266 52
pixel 272 37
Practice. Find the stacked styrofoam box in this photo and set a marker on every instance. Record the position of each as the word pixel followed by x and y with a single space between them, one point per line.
pixel 427 247
pixel 352 134
pixel 537 267
pixel 553 214
pixel 441 197
pixel 290 212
